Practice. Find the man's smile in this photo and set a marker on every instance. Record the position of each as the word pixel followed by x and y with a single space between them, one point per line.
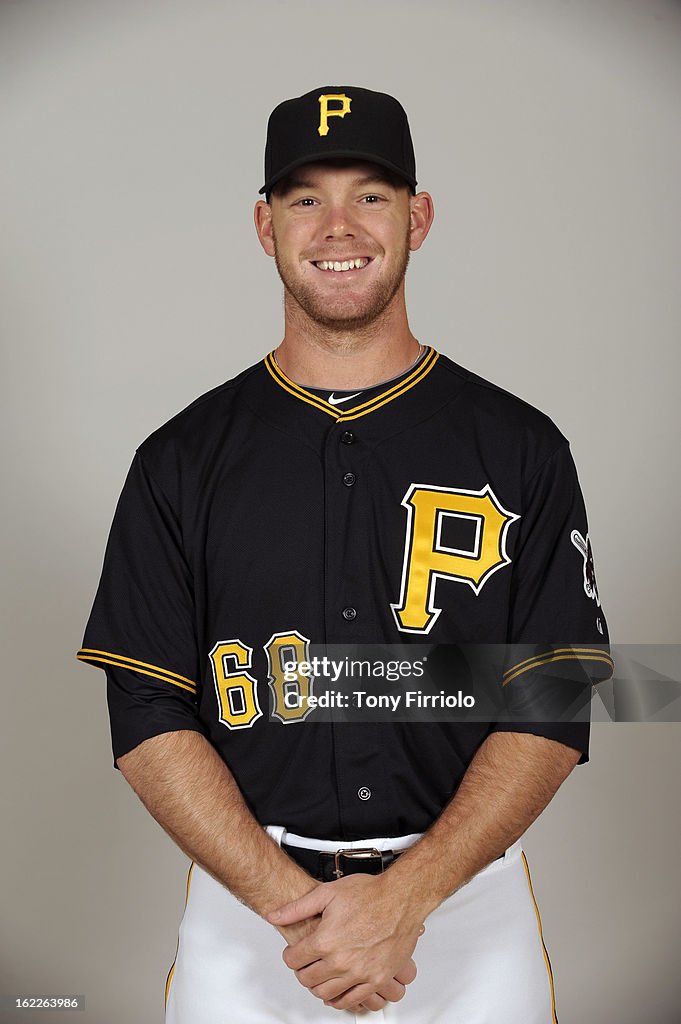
pixel 342 266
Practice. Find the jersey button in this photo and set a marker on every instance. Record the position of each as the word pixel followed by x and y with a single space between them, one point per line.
pixel 347 437
pixel 349 614
pixel 349 479
pixel 364 793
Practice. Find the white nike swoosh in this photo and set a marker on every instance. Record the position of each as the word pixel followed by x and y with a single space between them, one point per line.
pixel 345 398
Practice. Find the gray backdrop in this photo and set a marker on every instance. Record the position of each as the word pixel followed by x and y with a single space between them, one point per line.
pixel 131 281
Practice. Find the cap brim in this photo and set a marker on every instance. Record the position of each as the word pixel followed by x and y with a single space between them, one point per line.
pixel 335 155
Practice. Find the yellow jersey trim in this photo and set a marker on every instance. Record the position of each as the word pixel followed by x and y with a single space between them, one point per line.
pixel 364 408
pixel 294 389
pixel 558 654
pixel 554 1019
pixel 177 948
pixel 421 371
pixel 143 667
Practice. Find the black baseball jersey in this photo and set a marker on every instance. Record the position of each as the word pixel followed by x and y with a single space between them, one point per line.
pixel 268 516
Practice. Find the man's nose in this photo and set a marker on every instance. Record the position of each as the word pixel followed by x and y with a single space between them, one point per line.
pixel 339 223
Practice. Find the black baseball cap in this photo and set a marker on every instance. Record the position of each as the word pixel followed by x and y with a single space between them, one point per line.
pixel 338 121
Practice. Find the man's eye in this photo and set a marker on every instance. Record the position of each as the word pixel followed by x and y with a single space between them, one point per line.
pixel 372 200
pixel 306 199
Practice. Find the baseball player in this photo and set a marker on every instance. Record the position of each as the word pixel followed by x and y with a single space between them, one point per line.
pixel 354 486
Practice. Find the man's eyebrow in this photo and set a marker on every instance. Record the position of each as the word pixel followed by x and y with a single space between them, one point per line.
pixel 296 184
pixel 371 179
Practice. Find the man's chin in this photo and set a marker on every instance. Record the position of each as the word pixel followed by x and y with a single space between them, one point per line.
pixel 346 321
pixel 341 315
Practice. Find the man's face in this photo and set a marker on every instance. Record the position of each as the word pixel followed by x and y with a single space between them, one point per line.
pixel 336 214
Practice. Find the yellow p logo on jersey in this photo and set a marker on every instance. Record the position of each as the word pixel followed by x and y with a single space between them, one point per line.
pixel 427 559
pixel 325 113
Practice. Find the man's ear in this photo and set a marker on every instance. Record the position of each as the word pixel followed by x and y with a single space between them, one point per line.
pixel 262 215
pixel 421 217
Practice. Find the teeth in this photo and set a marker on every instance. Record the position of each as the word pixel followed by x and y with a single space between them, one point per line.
pixel 345 265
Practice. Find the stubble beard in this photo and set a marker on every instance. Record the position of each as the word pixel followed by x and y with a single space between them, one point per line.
pixel 317 306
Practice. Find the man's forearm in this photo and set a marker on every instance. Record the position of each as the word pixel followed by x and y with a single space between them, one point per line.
pixel 190 791
pixel 511 779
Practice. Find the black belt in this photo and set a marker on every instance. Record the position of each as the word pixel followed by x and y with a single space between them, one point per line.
pixel 327 867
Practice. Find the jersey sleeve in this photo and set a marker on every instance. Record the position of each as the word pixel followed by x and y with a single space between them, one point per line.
pixel 141 629
pixel 558 636
pixel 140 708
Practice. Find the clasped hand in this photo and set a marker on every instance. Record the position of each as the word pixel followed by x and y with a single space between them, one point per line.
pixel 360 952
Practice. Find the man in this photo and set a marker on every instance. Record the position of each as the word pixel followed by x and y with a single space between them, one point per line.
pixel 353 487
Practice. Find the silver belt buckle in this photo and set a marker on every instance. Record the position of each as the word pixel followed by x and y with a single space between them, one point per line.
pixel 362 853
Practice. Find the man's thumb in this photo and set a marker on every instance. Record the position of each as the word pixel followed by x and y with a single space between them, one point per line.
pixel 298 910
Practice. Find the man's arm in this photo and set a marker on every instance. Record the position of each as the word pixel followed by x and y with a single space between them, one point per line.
pixel 186 786
pixel 507 785
pixel 369 921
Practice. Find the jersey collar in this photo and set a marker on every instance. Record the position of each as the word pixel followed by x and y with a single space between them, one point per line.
pixel 422 370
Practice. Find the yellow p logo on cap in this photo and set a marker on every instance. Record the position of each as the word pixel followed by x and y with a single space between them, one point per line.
pixel 325 113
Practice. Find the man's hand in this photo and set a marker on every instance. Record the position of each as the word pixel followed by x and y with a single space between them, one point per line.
pixel 361 947
pixel 301 929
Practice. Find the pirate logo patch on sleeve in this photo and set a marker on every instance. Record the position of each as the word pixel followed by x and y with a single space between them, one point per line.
pixel 583 545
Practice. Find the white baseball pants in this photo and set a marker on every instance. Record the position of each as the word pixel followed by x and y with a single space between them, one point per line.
pixel 481 959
